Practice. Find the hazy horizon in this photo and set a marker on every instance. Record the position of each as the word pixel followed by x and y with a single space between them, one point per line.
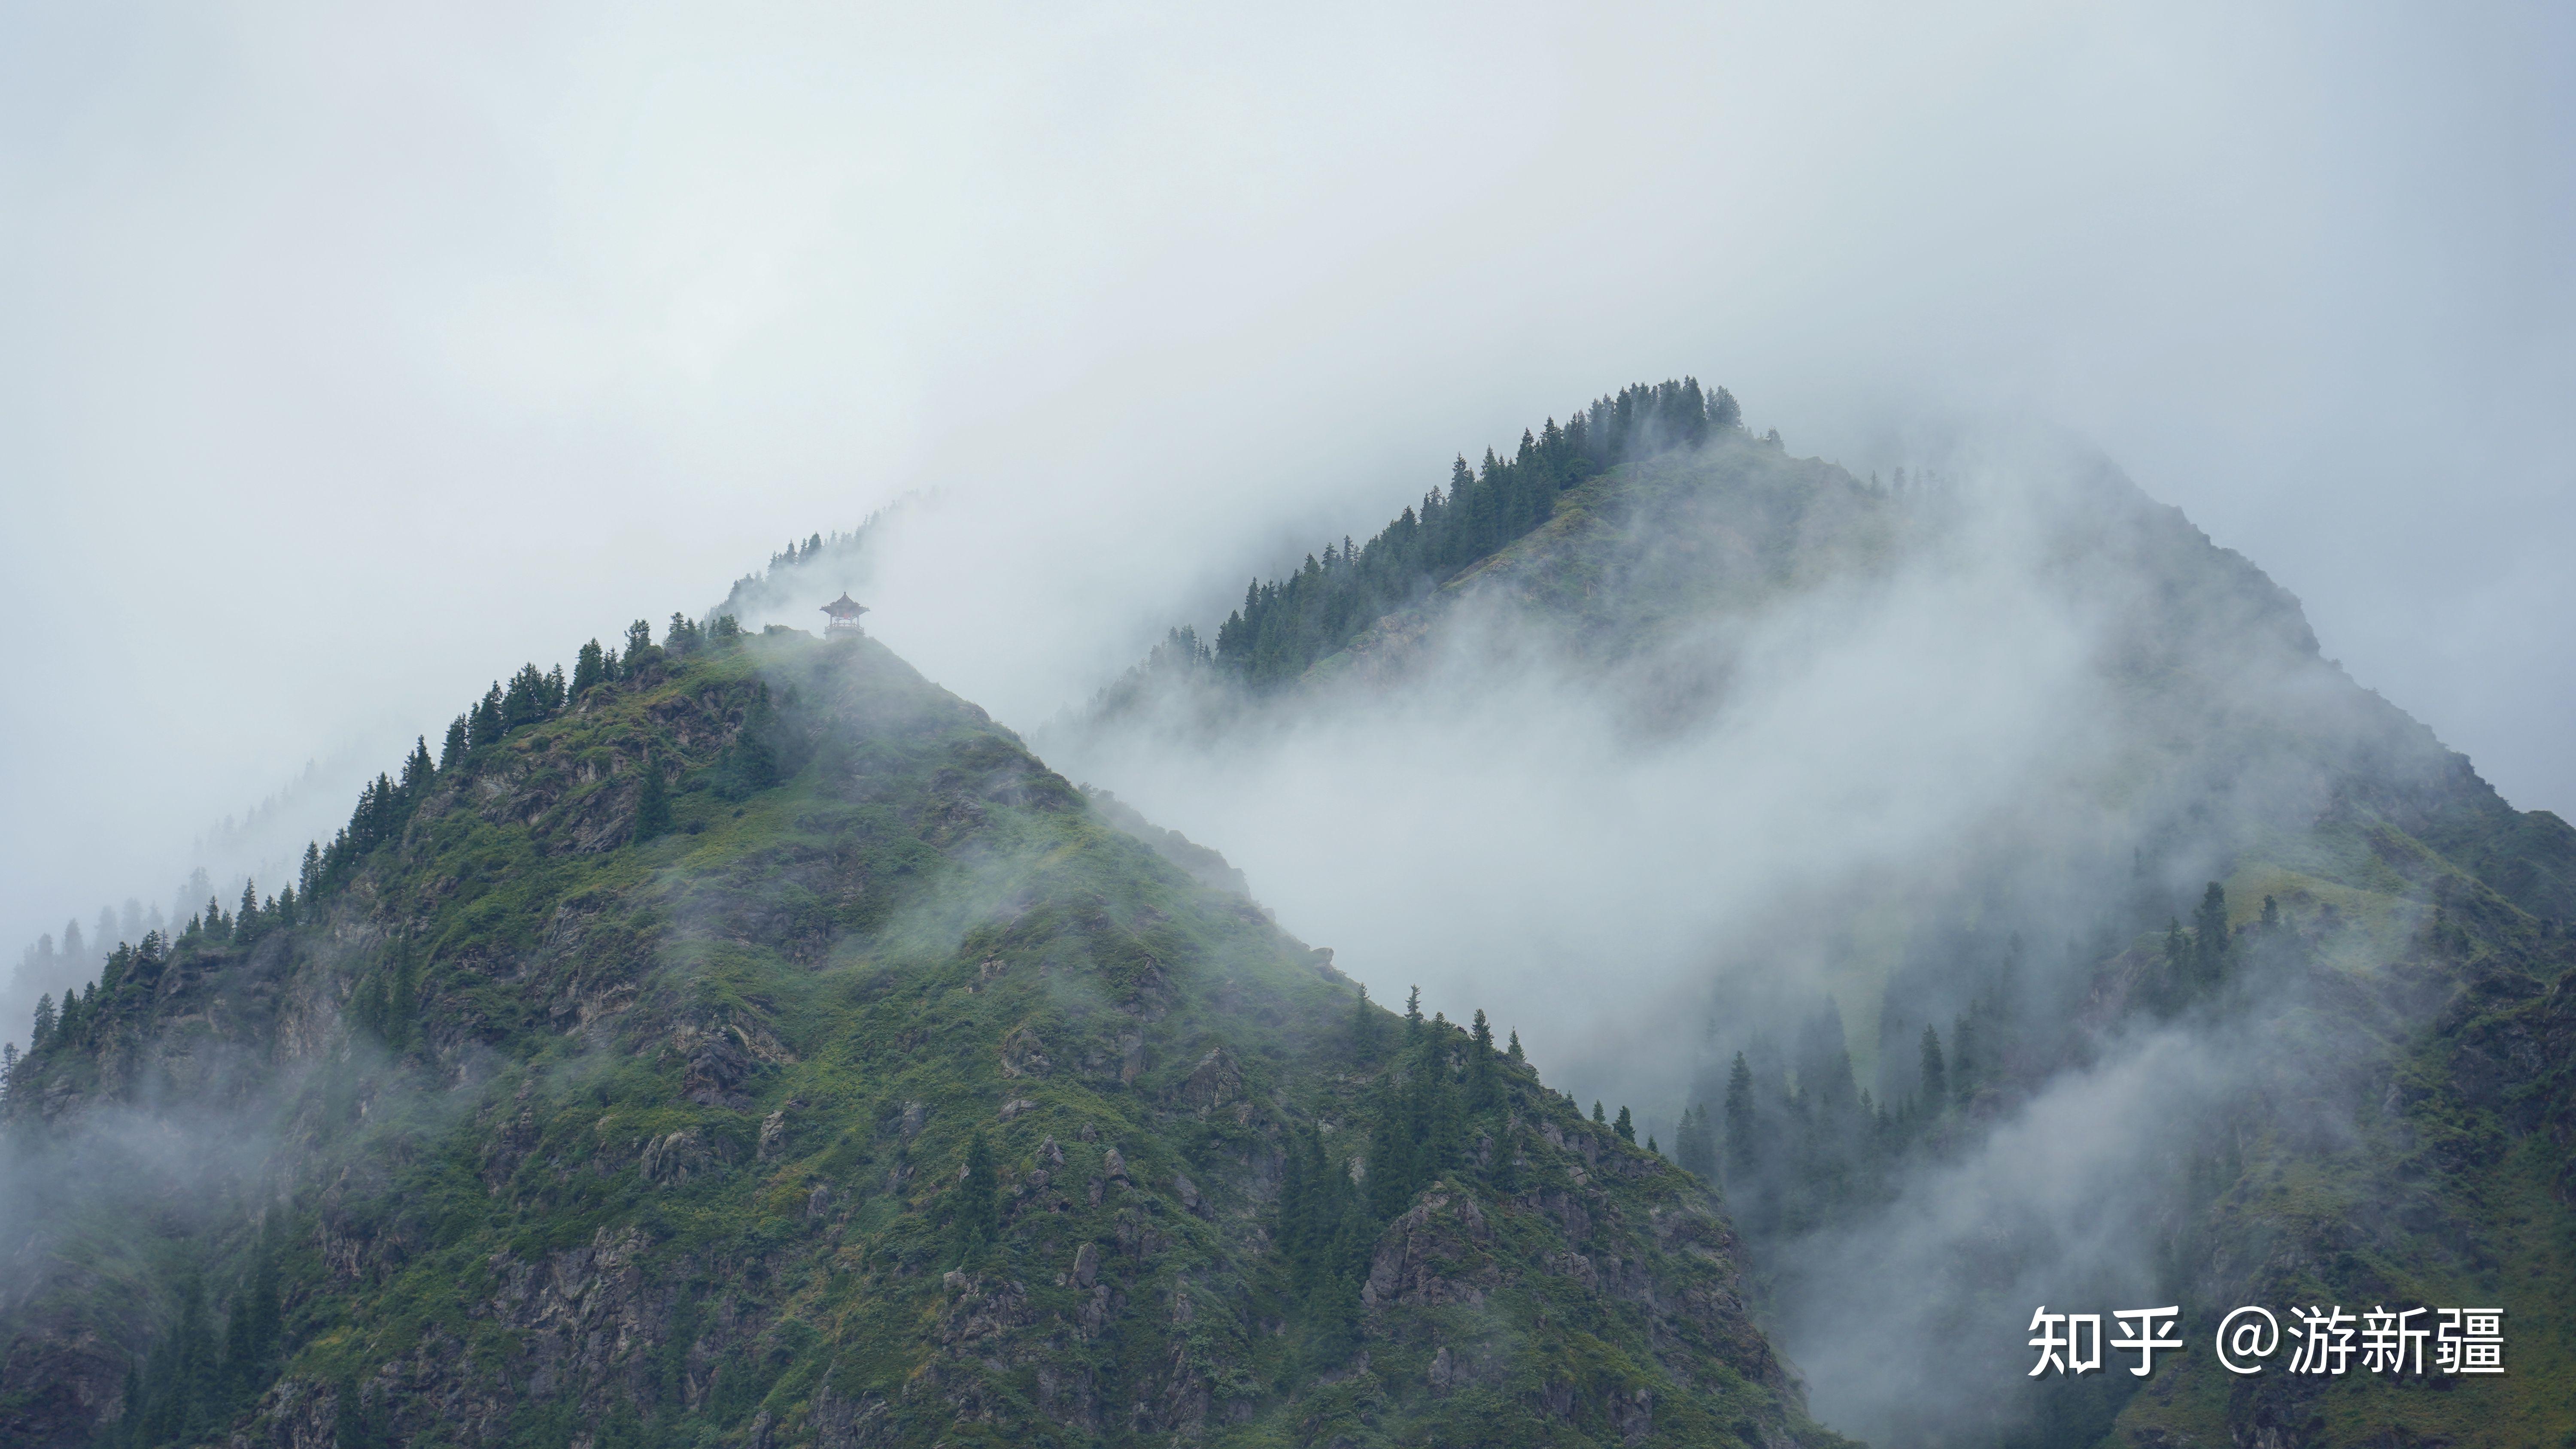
pixel 360 360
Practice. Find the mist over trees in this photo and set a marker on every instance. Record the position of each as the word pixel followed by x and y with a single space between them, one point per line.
pixel 49 972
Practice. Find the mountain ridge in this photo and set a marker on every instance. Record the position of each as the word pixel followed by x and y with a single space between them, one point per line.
pixel 887 1094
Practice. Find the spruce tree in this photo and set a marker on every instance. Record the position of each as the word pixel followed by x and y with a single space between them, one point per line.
pixel 1480 1069
pixel 652 803
pixel 589 667
pixel 1626 1126
pixel 1936 1074
pixel 2209 938
pixel 417 771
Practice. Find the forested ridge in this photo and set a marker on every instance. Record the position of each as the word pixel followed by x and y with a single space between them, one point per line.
pixel 1284 625
pixel 752 1044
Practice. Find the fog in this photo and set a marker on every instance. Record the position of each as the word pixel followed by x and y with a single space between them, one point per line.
pixel 356 359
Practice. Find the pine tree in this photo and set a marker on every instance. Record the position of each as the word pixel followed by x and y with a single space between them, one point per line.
pixel 1515 1052
pixel 1413 1017
pixel 1596 1111
pixel 1626 1127
pixel 639 647
pixel 589 667
pixel 451 753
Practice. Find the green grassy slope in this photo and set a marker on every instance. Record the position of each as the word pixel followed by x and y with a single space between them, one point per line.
pixel 534 1133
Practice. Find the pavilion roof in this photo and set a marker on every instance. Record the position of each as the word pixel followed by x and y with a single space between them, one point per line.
pixel 845 607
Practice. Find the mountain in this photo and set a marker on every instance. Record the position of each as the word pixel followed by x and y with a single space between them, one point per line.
pixel 2211 977
pixel 747 1042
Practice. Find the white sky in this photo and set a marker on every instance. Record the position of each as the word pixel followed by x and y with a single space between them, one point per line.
pixel 350 359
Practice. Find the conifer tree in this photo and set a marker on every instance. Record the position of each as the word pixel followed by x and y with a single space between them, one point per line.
pixel 417 772
pixel 1626 1127
pixel 43 1030
pixel 1743 1125
pixel 1515 1052
pixel 1480 1064
pixel 2209 938
pixel 2178 965
pixel 652 803
pixel 1935 1074
pixel 589 667
pixel 1413 1016
pixel 1596 1111
pixel 451 753
pixel 484 725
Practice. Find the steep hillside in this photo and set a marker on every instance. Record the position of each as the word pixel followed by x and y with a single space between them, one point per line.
pixel 2265 985
pixel 756 1045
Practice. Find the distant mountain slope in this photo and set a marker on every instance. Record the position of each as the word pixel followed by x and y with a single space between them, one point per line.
pixel 761 1047
pixel 2336 961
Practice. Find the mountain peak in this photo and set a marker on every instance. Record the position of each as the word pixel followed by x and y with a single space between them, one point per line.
pixel 767 1044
